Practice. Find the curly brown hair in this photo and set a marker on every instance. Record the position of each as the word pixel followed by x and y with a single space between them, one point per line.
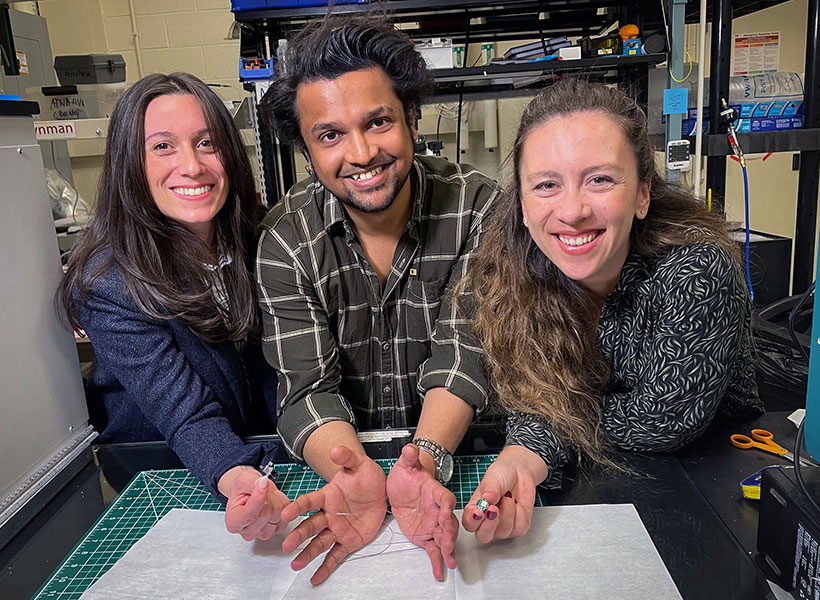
pixel 537 326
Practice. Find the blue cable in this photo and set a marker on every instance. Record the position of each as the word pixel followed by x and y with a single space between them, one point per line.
pixel 746 194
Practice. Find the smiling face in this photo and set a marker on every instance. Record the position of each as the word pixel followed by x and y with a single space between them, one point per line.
pixel 184 172
pixel 358 141
pixel 579 194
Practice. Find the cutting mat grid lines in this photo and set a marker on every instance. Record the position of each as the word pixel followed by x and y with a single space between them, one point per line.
pixel 151 494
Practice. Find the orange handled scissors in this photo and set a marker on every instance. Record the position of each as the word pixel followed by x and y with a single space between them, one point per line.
pixel 764 440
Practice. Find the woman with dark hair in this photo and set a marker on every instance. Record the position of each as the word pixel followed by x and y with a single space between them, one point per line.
pixel 625 295
pixel 161 283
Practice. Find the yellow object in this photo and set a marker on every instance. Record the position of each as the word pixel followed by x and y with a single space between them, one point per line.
pixel 751 492
pixel 629 32
pixel 761 438
pixel 688 73
pixel 764 440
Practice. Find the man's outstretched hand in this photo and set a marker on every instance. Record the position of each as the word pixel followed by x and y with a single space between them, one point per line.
pixel 423 508
pixel 350 512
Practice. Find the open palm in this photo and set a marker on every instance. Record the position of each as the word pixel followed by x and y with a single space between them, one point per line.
pixel 423 509
pixel 350 510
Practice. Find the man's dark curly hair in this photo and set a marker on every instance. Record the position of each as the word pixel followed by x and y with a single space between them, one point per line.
pixel 336 45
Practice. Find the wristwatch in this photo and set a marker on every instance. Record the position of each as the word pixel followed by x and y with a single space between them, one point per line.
pixel 441 456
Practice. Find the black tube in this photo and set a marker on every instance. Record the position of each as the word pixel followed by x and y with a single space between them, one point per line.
pixel 807 183
pixel 719 88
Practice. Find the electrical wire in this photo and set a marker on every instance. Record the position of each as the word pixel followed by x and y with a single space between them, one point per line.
pixel 688 73
pixel 748 268
pixel 798 447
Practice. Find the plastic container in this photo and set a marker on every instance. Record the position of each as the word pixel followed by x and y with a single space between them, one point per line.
pixel 76 101
pixel 90 69
pixel 437 53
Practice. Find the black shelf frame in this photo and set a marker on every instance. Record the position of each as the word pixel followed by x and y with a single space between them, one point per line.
pixel 806 140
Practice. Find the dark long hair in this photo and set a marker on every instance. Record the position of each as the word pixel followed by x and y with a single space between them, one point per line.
pixel 551 366
pixel 159 259
pixel 340 44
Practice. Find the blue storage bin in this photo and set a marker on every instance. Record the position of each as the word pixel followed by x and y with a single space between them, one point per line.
pixel 241 5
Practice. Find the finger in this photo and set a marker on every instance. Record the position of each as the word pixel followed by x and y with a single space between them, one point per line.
pixel 254 530
pixel 523 519
pixel 434 552
pixel 244 511
pixel 304 504
pixel 486 530
pixel 277 501
pixel 523 514
pixel 409 458
pixel 308 528
pixel 345 457
pixel 490 489
pixel 506 518
pixel 446 539
pixel 268 531
pixel 447 545
pixel 336 555
pixel 317 546
pixel 445 499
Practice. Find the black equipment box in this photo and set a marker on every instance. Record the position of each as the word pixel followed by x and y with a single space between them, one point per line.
pixel 90 68
pixel 788 531
pixel 770 264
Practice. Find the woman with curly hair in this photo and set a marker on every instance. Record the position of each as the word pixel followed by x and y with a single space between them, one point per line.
pixel 611 305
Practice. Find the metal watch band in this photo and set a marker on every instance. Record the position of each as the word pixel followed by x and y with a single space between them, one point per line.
pixel 434 449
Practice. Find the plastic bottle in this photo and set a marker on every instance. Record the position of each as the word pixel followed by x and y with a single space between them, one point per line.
pixel 754 88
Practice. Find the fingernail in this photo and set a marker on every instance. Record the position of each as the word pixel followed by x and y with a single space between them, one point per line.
pixel 263 484
pixel 508 495
pixel 477 517
pixel 491 515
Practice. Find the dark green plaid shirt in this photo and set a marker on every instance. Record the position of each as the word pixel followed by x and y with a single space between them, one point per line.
pixel 346 349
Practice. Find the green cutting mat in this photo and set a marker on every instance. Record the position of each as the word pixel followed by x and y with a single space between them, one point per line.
pixel 151 494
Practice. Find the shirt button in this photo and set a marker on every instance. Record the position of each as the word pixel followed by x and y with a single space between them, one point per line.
pixel 386 346
pixel 386 389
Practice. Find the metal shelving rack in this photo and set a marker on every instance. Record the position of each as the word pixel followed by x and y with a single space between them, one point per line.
pixel 806 140
pixel 466 22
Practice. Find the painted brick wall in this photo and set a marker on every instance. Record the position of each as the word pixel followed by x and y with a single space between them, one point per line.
pixel 179 35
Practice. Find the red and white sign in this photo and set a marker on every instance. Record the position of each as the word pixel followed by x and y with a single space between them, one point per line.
pixel 756 53
pixel 23 62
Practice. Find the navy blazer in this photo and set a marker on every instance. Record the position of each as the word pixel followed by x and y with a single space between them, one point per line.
pixel 155 379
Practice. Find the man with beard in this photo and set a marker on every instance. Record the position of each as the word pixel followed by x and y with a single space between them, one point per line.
pixel 353 266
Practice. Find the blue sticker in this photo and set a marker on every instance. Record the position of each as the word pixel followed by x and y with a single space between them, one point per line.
pixel 675 101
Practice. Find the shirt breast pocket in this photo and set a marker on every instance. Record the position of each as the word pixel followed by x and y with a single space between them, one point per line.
pixel 423 304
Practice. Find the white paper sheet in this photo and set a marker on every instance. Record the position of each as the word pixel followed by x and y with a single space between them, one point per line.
pixel 591 551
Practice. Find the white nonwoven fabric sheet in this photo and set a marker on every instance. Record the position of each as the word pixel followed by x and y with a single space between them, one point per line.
pixel 577 552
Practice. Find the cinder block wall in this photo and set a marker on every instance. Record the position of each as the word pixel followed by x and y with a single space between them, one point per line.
pixel 178 35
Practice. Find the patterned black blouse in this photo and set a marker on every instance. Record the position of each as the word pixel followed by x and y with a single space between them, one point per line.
pixel 677 333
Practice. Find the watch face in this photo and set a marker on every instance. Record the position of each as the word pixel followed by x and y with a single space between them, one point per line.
pixel 446 468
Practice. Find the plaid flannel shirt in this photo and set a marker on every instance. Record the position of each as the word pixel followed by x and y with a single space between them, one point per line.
pixel 346 349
